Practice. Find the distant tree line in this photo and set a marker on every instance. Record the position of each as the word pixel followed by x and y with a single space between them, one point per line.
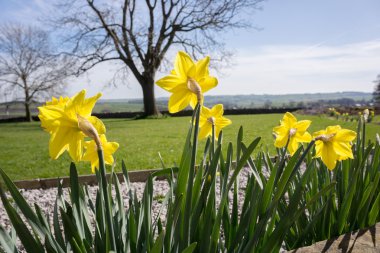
pixel 376 94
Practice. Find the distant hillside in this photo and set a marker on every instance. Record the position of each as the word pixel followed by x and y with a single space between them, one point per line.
pixel 248 101
pixel 229 102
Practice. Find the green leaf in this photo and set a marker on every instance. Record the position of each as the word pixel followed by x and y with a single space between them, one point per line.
pixel 191 248
pixel 74 185
pixel 6 241
pixel 26 210
pixel 375 210
pixel 253 168
pixel 243 161
pixel 30 244
pixel 157 246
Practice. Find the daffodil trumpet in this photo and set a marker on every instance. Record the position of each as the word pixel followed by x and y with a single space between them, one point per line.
pixel 89 130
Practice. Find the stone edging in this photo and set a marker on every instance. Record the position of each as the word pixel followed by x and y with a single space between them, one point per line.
pixel 362 241
pixel 134 176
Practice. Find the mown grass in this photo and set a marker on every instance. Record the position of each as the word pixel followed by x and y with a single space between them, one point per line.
pixel 24 146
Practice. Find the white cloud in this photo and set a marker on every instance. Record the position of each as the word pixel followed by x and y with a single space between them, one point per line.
pixel 273 69
pixel 304 68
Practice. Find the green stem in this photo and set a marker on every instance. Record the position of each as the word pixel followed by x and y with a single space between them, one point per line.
pixel 282 160
pixel 363 136
pixel 213 141
pixel 189 196
pixel 104 185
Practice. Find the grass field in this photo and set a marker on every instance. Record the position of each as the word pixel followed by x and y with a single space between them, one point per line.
pixel 24 146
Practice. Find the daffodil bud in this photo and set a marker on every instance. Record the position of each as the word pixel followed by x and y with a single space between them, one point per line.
pixel 324 137
pixel 194 87
pixel 89 130
pixel 365 115
pixel 211 120
pixel 292 132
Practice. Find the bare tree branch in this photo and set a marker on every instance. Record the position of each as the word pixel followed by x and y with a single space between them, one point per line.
pixel 140 33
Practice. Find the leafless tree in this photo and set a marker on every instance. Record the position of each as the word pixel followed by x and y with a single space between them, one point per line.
pixel 28 67
pixel 140 33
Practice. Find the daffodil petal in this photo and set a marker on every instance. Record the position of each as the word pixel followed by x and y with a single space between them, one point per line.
pixel 329 157
pixel 88 104
pixel 206 112
pixel 91 154
pixel 205 131
pixel 170 82
pixel 183 63
pixel 217 110
pixel 98 124
pixel 345 135
pixel 302 125
pixel 207 83
pixel 48 117
pixel 59 142
pixel 292 146
pixel 281 130
pixel 281 141
pixel 108 159
pixel 222 122
pixel 289 120
pixel 111 147
pixel 305 137
pixel 318 148
pixel 202 67
pixel 73 106
pixel 343 150
pixel 76 145
pixel 319 133
pixel 179 100
pixel 193 100
pixel 333 129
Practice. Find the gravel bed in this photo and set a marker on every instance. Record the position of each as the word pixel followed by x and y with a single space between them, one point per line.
pixel 45 198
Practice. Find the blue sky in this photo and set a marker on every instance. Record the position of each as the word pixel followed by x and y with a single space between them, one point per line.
pixel 301 46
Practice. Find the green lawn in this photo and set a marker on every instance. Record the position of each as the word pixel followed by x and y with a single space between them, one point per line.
pixel 24 146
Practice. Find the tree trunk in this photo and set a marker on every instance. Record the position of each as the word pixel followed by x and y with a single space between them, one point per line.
pixel 28 115
pixel 150 107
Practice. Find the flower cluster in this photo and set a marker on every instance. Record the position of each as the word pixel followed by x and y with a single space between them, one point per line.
pixel 333 112
pixel 69 121
pixel 331 145
pixel 187 82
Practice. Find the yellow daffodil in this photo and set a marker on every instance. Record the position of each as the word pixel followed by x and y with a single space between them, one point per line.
pixel 187 82
pixel 292 130
pixel 59 102
pixel 209 117
pixel 91 153
pixel 333 144
pixel 61 121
